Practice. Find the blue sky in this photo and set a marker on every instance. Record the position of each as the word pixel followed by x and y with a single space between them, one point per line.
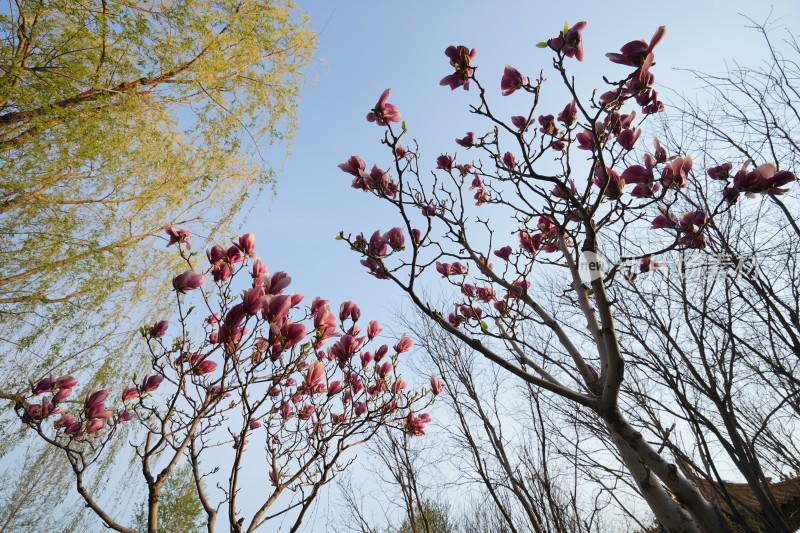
pixel 365 47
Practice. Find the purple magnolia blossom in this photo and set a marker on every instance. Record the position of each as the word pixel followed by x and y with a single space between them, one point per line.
pixel 384 112
pixel 635 53
pixel 444 162
pixel 569 41
pixel 512 80
pixel 177 236
pixel 461 58
pixel 188 281
pixel 548 125
pixel 720 172
pixel 504 253
pixel 628 137
pixel 247 244
pixel 44 385
pixel 62 394
pixel 610 181
pixel 569 115
pixel 130 393
pixel 467 141
pixel 96 398
pixel 665 220
pixel 586 140
pixel 158 329
pixel 675 173
pixel 151 383
pixel 403 345
pixel 521 123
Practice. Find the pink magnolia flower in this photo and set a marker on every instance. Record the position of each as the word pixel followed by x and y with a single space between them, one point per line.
pixel 354 166
pixel 635 53
pixel 467 141
pixel 569 115
pixel 586 140
pixel 96 398
pixel 255 424
pixel 569 41
pixel 247 244
pixel 151 383
pixel 404 344
pixel 65 382
pixel 665 220
pixel 259 269
pixel 177 236
pixel 350 310
pixel 385 369
pixel 384 112
pixel 335 387
pixel 764 179
pixel 123 416
pixel 529 243
pixel 252 301
pixel 395 239
pixel 94 425
pixel 720 172
pixel 315 377
pixel 215 254
pixel 129 394
pixel 204 367
pixel 444 162
pixel 504 253
pixel 675 173
pixel 64 421
pixel 62 394
pixel 450 269
pixel 610 181
pixel 44 385
pixel 381 352
pixel 415 425
pixel 560 191
pixel 509 161
pixel 461 58
pixel 159 329
pixel 436 385
pixel 306 411
pixel 188 281
pixel 548 125
pixel 628 137
pixel 360 408
pixel 512 80
pixel 373 329
pixel 521 123
pixel 98 411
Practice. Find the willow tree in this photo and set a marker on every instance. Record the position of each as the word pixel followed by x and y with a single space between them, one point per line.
pixel 116 118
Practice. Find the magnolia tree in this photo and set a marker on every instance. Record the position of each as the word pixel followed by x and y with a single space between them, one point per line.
pixel 301 385
pixel 569 185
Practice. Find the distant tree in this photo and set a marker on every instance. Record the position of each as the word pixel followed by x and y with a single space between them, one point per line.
pixel 179 509
pixel 307 384
pixel 590 214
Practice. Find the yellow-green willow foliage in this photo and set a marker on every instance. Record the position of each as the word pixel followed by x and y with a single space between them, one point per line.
pixel 116 118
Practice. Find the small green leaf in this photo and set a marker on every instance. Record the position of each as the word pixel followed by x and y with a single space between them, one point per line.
pixel 542 44
pixel 484 326
pixel 566 27
pixel 339 237
pixel 404 125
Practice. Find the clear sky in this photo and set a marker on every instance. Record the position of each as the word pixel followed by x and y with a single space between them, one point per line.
pixel 367 46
